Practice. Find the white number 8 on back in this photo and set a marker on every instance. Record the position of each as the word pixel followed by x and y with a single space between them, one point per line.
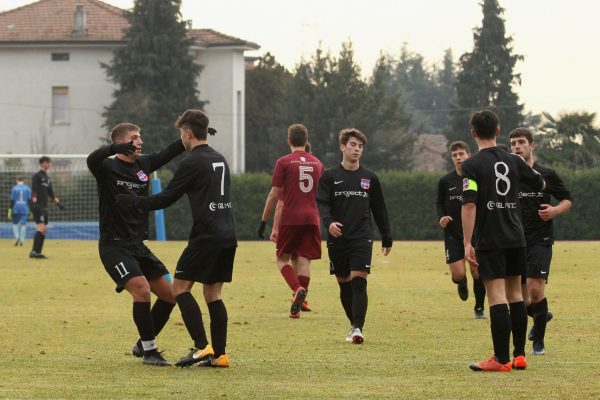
pixel 502 177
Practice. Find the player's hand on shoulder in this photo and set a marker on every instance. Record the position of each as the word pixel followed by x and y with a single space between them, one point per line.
pixel 261 229
pixel 123 148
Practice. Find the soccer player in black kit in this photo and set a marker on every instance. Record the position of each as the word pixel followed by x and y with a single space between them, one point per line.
pixel 538 213
pixel 41 191
pixel 125 257
pixel 494 239
pixel 209 255
pixel 348 194
pixel 448 206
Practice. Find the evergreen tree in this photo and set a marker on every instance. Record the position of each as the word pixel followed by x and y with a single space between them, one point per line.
pixel 486 76
pixel 267 90
pixel 154 72
pixel 570 141
pixel 414 81
pixel 445 83
pixel 386 122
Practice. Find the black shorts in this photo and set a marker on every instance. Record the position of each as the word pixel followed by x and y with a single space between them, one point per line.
pixel 356 257
pixel 501 263
pixel 539 257
pixel 40 214
pixel 126 261
pixel 205 264
pixel 455 250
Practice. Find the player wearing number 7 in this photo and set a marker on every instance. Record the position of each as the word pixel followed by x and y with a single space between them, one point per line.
pixel 209 255
pixel 297 176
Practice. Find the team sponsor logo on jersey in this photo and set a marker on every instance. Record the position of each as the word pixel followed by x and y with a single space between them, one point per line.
pixel 530 194
pixel 365 183
pixel 498 205
pixel 303 159
pixel 143 177
pixel 219 206
pixel 131 185
pixel 349 193
pixel 469 184
pixel 459 198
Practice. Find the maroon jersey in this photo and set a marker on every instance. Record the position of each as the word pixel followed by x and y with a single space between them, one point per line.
pixel 298 174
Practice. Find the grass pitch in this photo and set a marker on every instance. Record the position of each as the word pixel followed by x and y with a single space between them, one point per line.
pixel 65 333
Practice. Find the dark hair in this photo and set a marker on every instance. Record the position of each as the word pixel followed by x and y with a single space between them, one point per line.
pixel 459 144
pixel 197 122
pixel 19 179
pixel 346 134
pixel 485 123
pixel 503 147
pixel 297 135
pixel 119 130
pixel 307 147
pixel 44 159
pixel 522 132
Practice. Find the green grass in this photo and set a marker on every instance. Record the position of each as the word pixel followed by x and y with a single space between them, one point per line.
pixel 65 333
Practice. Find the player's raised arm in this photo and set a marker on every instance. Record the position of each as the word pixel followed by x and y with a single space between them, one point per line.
pixel 156 160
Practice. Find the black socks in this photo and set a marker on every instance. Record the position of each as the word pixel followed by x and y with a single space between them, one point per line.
pixel 479 290
pixel 192 318
pixel 518 322
pixel 500 327
pixel 346 299
pixel 218 326
pixel 359 302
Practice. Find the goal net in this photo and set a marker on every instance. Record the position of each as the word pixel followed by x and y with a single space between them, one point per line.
pixel 73 184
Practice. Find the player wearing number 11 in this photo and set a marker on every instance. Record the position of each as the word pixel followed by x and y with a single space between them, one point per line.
pixel 297 176
pixel 208 257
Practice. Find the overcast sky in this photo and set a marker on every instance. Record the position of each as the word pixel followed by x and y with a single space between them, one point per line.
pixel 559 38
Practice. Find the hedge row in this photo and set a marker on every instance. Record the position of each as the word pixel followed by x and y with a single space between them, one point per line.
pixel 410 197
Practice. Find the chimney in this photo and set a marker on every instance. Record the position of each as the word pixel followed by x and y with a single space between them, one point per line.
pixel 79 21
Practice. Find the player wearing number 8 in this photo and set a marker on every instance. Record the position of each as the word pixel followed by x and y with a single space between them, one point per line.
pixel 296 176
pixel 494 239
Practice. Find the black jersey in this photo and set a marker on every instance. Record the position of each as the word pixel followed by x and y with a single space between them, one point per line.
pixel 204 176
pixel 115 176
pixel 491 180
pixel 536 229
pixel 41 188
pixel 349 197
pixel 449 202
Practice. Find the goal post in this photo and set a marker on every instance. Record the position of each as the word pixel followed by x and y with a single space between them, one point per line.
pixel 73 184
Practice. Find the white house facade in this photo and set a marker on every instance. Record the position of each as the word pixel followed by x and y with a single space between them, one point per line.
pixel 53 90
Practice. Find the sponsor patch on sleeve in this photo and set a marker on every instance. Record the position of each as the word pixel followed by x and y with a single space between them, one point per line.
pixel 469 184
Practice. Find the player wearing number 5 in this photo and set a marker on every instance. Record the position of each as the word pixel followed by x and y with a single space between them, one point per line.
pixel 209 255
pixel 297 176
pixel 494 239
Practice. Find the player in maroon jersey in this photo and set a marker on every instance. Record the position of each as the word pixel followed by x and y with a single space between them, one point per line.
pixel 296 176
